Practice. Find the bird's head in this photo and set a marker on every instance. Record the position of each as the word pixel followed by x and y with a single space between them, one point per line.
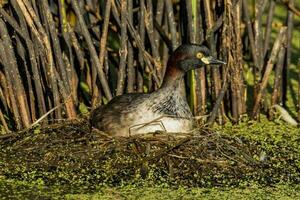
pixel 192 56
pixel 185 58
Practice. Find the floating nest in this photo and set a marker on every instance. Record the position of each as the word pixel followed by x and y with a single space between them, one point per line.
pixel 74 154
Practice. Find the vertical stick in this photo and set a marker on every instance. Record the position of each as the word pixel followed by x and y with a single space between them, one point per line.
pixel 298 90
pixel 123 51
pixel 14 75
pixel 142 30
pixel 103 42
pixel 259 8
pixel 287 61
pixel 215 71
pixel 278 77
pixel 195 75
pixel 269 27
pixel 130 65
pixel 250 33
pixel 65 83
pixel 150 32
pixel 159 16
pixel 172 24
pixel 275 50
pixel 11 95
pixel 92 49
pixel 41 37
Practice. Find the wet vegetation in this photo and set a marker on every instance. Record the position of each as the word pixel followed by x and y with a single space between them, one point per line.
pixel 59 59
pixel 71 158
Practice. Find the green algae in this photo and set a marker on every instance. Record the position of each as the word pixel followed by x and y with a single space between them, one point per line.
pixel 277 146
pixel 12 189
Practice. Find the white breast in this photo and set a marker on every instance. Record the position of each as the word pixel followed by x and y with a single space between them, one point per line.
pixel 161 123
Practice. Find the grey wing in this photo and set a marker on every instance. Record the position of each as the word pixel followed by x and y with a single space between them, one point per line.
pixel 105 117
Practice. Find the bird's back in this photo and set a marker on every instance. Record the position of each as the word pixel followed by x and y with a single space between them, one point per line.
pixel 131 114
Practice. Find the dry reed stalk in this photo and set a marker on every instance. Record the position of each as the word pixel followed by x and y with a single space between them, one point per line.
pixel 280 40
pixel 4 98
pixel 63 76
pixel 277 91
pixel 291 6
pixel 219 99
pixel 27 82
pixel 287 61
pixel 13 73
pixel 233 51
pixel 103 42
pixel 250 35
pixel 268 28
pixel 193 28
pixel 200 74
pixel 10 97
pixel 92 50
pixel 131 69
pixel 123 51
pixel 39 32
pixel 158 20
pixel 258 39
pixel 23 32
pixel 151 35
pixel 142 31
pixel 298 64
pixel 216 78
pixel 167 47
pixel 172 24
pixel 49 22
pixel 148 59
pixel 3 122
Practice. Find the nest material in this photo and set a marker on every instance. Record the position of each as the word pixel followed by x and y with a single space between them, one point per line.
pixel 72 153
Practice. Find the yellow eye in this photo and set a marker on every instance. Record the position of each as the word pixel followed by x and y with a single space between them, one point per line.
pixel 199 55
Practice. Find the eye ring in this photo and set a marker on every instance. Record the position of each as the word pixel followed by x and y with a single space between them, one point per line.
pixel 199 55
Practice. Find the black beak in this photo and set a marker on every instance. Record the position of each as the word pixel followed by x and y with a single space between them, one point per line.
pixel 212 61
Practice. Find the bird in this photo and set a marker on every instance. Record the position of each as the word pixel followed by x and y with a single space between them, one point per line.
pixel 165 109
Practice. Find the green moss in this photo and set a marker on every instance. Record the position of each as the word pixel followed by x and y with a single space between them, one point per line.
pixel 277 143
pixel 153 193
pixel 12 189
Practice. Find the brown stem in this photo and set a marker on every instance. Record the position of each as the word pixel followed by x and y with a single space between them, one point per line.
pixel 291 6
pixel 130 66
pixel 269 27
pixel 281 38
pixel 92 49
pixel 172 24
pixel 150 31
pixel 212 45
pixel 278 77
pixel 287 61
pixel 14 75
pixel 219 100
pixel 123 51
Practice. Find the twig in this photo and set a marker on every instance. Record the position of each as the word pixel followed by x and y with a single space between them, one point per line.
pixel 123 51
pixel 269 27
pixel 12 72
pixel 172 25
pixel 281 38
pixel 217 105
pixel 287 61
pixel 102 53
pixel 131 69
pixel 291 6
pixel 92 50
pixel 278 77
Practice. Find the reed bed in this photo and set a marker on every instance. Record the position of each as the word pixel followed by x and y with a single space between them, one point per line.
pixel 60 59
